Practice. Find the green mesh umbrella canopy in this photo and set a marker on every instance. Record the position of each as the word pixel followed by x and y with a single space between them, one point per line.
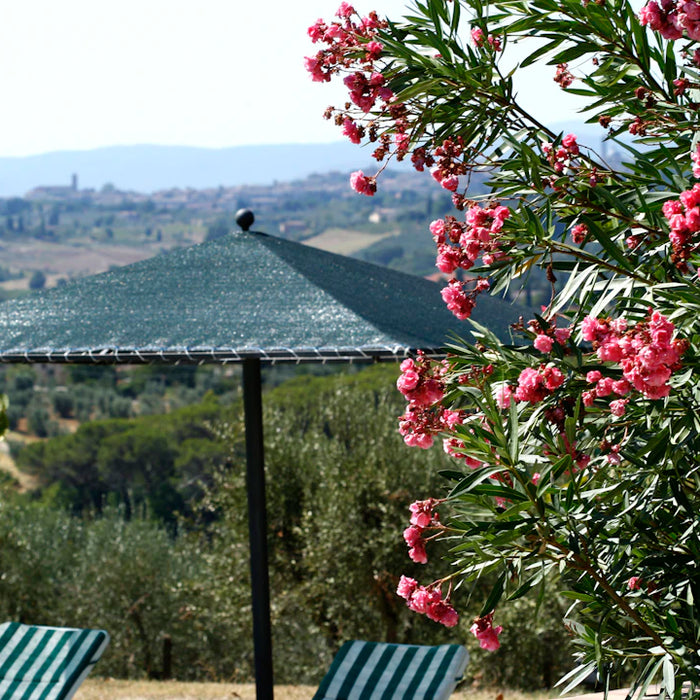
pixel 244 295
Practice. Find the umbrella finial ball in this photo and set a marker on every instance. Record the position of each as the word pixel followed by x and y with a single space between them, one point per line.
pixel 245 218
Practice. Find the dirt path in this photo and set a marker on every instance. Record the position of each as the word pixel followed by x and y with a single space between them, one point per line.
pixel 7 464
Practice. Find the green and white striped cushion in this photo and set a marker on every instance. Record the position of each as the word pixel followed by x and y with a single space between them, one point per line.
pixel 46 663
pixel 379 671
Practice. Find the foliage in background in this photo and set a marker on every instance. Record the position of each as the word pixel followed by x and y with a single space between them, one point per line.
pixel 339 485
pixel 576 446
pixel 163 462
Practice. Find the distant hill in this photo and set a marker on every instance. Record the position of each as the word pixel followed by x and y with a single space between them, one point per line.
pixel 151 168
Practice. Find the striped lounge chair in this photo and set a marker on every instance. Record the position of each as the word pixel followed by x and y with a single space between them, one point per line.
pixel 378 671
pixel 46 663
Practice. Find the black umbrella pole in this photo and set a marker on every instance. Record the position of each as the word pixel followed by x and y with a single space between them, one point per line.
pixel 257 525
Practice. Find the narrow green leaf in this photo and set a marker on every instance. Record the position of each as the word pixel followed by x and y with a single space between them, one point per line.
pixel 494 597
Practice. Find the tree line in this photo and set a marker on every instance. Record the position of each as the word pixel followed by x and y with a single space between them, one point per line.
pixel 140 527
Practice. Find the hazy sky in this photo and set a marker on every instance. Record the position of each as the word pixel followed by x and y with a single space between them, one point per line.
pixel 78 74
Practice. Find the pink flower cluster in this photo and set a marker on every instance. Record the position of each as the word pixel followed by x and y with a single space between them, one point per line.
pixel 545 339
pixel 683 215
pixel 365 91
pixel 563 76
pixel 450 165
pixel 647 353
pixel 422 383
pixel 486 633
pixel 461 301
pixel 423 517
pixel 672 18
pixel 562 157
pixel 427 601
pixel 362 184
pixel 605 386
pixel 535 384
pixel 634 583
pixel 343 39
pixel 579 233
pixel 459 245
pixel 481 39
pixel 353 47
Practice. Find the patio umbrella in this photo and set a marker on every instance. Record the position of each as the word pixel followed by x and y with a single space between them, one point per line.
pixel 249 298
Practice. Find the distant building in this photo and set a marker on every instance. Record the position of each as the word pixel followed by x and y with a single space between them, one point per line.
pixel 55 191
pixel 290 228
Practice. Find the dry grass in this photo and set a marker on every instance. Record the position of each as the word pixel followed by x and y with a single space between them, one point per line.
pixel 345 241
pixel 97 689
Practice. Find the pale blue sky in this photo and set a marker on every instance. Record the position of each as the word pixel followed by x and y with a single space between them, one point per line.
pixel 78 74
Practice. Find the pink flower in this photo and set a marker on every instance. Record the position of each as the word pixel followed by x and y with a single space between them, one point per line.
pixel 408 381
pixel 449 182
pixel 422 440
pixel 437 228
pixel 536 478
pixel 477 36
pixel 634 583
pixel 621 387
pixel 452 418
pixel 421 600
pixel 480 39
pixel 345 10
pixel 553 377
pixel 447 260
pixel 569 142
pixel 561 335
pixel 618 407
pixel 428 392
pixel 351 130
pixel 335 31
pixel 530 386
pixel 484 631
pixel 317 31
pixel 543 343
pixel 579 233
pixel 417 553
pixel 591 328
pixel 406 587
pixel 402 142
pixel 442 612
pixel 604 387
pixel 422 513
pixel 412 534
pixel 563 76
pixel 363 184
pixel 695 157
pixel 664 21
pixel 502 396
pixel 374 49
pixel 319 73
pixel 647 352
